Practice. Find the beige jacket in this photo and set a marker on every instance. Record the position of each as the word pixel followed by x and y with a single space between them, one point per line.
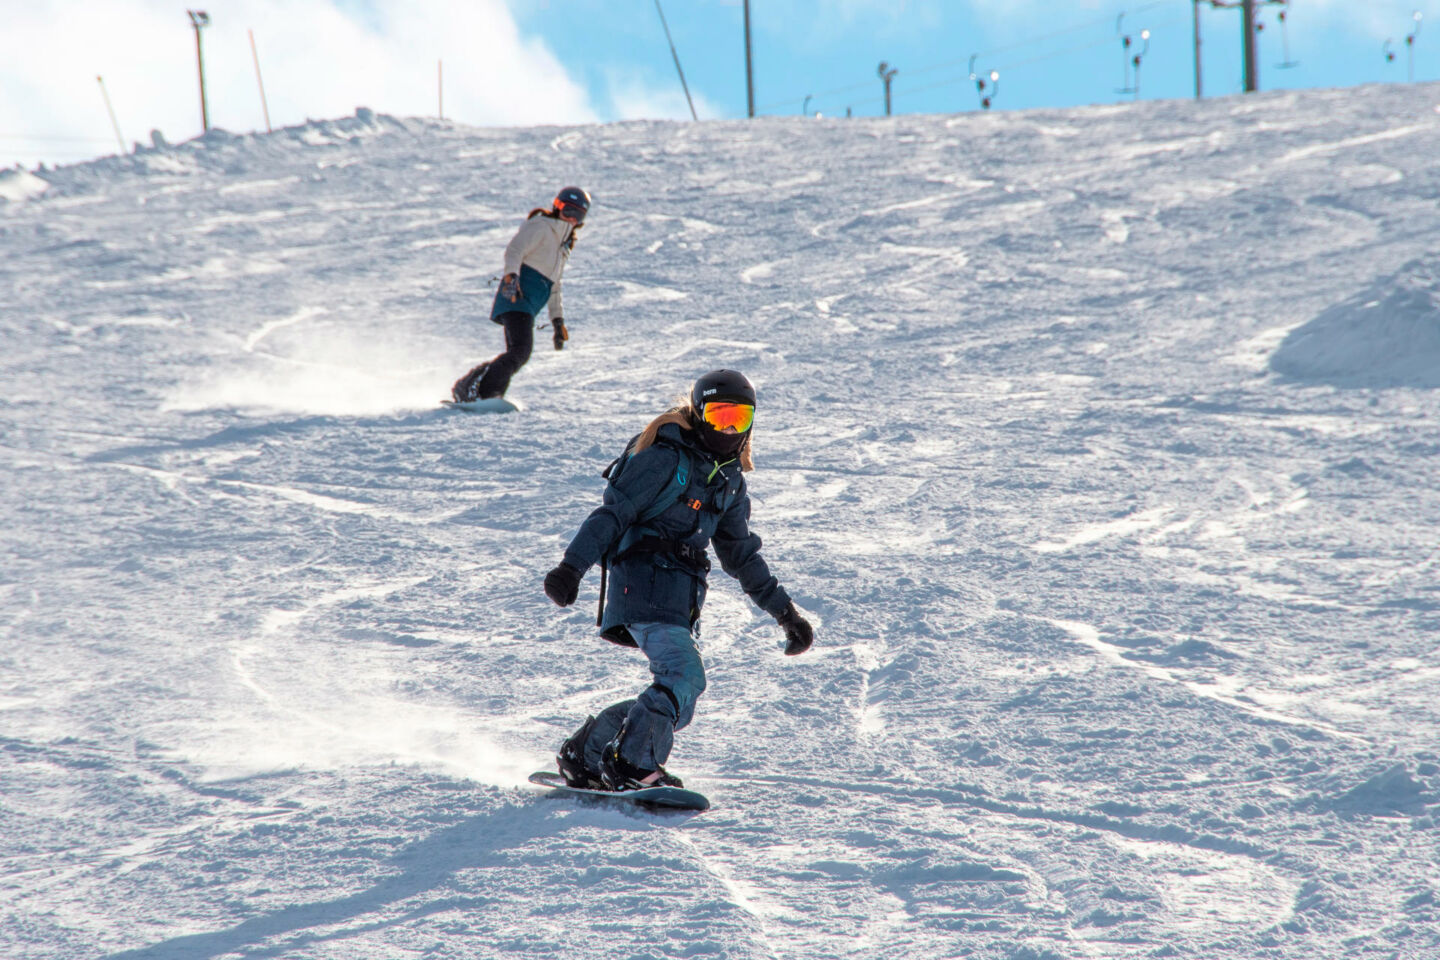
pixel 542 244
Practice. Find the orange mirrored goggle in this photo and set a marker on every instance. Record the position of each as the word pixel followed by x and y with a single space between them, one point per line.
pixel 722 414
pixel 572 211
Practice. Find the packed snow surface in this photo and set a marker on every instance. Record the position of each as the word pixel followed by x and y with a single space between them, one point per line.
pixel 1387 335
pixel 1099 445
pixel 20 185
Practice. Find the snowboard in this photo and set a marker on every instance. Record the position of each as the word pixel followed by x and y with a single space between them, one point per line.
pixel 667 798
pixel 492 405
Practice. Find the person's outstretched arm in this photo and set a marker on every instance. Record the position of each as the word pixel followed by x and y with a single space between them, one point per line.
pixel 646 474
pixel 739 553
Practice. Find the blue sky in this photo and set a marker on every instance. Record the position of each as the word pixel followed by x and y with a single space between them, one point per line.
pixel 1048 53
pixel 572 61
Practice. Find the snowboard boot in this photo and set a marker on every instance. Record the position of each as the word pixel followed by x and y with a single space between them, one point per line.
pixel 620 774
pixel 571 760
pixel 467 388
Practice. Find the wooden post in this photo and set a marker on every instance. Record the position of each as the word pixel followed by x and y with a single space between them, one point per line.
pixel 263 105
pixel 111 110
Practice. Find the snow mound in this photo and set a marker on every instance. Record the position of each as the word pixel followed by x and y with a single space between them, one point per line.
pixel 1386 336
pixel 220 152
pixel 1393 791
pixel 365 123
pixel 18 185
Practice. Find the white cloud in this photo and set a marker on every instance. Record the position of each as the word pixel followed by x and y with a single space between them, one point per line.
pixel 1379 20
pixel 632 97
pixel 319 58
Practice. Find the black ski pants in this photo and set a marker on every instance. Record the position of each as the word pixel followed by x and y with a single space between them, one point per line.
pixel 519 341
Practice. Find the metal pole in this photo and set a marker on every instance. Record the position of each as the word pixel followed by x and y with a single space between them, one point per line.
pixel 886 72
pixel 749 67
pixel 118 139
pixel 1252 63
pixel 263 104
pixel 1199 87
pixel 198 19
pixel 440 86
pixel 676 56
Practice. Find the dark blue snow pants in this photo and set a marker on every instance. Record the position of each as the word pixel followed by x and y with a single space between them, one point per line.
pixel 665 706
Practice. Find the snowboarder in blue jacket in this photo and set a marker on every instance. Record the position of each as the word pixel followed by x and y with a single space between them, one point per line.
pixel 534 264
pixel 678 489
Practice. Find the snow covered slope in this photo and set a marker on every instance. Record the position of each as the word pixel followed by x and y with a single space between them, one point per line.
pixel 1100 445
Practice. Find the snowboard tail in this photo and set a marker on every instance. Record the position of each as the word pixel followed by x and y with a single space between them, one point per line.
pixel 490 405
pixel 667 798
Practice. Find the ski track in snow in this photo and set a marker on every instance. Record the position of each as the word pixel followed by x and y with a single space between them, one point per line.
pixel 1098 445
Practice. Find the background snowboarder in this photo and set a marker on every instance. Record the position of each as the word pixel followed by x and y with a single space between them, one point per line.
pixel 678 488
pixel 534 263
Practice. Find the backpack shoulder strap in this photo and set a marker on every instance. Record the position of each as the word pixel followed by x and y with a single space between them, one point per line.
pixel 612 472
pixel 672 490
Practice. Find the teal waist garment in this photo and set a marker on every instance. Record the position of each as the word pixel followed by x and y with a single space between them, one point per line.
pixel 534 294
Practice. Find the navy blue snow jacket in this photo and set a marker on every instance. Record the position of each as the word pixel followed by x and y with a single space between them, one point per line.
pixel 658 568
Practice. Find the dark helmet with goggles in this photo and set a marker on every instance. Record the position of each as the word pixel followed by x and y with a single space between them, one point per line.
pixel 724 405
pixel 572 203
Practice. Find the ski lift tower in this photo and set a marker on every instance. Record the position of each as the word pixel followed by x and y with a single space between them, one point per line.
pixel 749 68
pixel 887 73
pixel 1249 26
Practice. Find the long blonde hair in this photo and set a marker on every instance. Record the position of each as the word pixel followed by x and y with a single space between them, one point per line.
pixel 685 417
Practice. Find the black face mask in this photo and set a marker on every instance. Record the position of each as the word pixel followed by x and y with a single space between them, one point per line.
pixel 725 445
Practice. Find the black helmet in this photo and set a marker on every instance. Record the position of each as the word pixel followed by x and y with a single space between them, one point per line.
pixel 572 202
pixel 729 386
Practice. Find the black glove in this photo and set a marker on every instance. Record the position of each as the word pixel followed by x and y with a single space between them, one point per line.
pixel 510 287
pixel 563 584
pixel 798 632
pixel 561 334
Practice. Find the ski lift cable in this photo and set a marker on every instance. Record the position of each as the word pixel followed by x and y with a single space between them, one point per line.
pixel 816 96
pixel 1085 46
pixel 967 77
pixel 1041 39
pixel 984 53
pixel 1006 67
